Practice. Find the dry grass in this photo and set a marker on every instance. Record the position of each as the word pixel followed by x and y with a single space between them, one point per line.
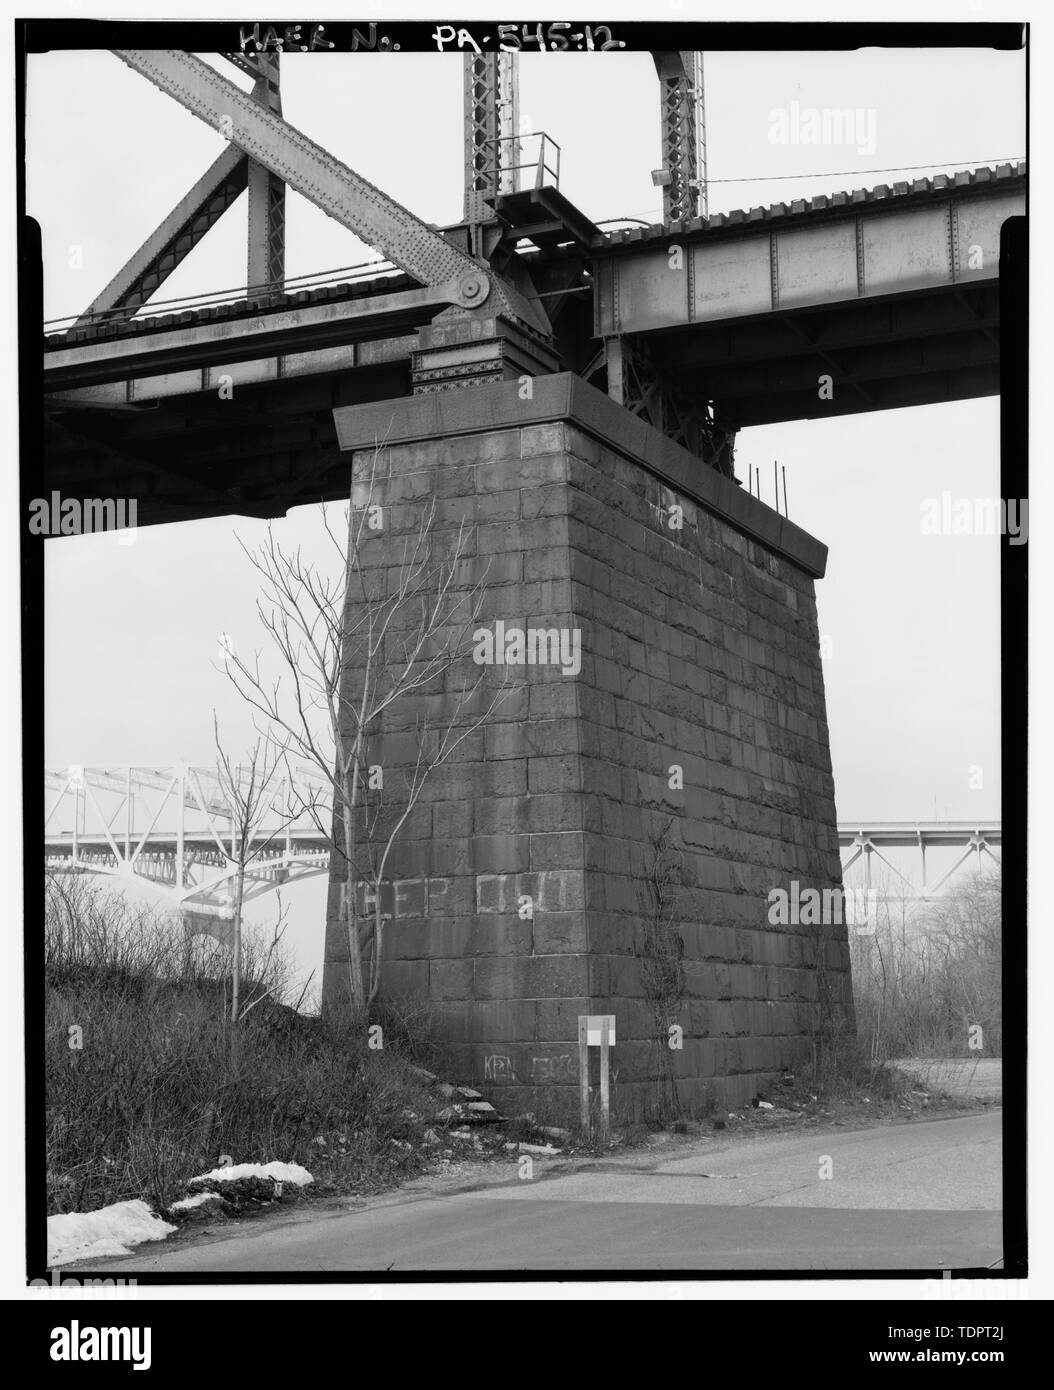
pixel 150 1097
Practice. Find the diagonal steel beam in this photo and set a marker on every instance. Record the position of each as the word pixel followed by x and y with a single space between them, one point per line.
pixel 345 195
pixel 173 240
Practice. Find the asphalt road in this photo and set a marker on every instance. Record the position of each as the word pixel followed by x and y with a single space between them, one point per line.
pixel 916 1196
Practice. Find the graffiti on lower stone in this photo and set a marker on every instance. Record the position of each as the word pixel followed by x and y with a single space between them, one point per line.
pixel 562 1067
pixel 554 890
pixel 498 1068
pixel 403 898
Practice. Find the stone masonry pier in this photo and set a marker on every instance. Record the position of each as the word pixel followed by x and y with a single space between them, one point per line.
pixel 691 743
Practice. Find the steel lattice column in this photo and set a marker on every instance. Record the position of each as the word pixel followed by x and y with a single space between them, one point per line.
pixel 491 123
pixel 683 172
pixel 266 258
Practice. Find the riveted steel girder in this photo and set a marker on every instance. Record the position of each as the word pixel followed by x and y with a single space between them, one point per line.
pixel 345 195
pixel 852 249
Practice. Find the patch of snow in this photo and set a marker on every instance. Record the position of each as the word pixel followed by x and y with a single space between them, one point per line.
pixel 81 1235
pixel 280 1172
pixel 187 1203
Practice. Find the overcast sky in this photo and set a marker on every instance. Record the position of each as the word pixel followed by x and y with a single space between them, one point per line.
pixel 911 619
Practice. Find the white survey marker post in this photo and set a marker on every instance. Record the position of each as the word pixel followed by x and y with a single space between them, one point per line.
pixel 595 1030
pixel 594 1024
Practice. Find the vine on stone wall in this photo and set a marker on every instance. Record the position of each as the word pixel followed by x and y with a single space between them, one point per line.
pixel 660 951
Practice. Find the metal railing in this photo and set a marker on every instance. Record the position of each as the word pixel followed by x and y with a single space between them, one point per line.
pixel 541 165
pixel 236 294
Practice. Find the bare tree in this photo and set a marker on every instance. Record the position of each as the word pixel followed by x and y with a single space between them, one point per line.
pixel 354 645
pixel 964 932
pixel 930 970
pixel 257 793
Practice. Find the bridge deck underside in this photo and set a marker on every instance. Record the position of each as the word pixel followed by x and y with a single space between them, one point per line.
pixel 891 294
pixel 273 445
pixel 880 354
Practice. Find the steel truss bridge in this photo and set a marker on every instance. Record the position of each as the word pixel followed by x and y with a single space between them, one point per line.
pixel 174 827
pixel 701 325
pixel 862 843
pixel 170 826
